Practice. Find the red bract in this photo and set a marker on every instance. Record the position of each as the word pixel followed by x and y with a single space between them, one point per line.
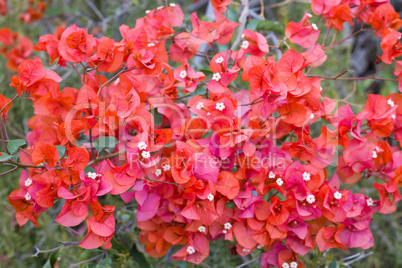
pixel 302 33
pixel 241 161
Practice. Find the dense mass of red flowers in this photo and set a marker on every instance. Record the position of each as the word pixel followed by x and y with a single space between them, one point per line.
pixel 234 164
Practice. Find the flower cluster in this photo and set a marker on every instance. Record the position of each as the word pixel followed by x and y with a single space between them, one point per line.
pixel 234 164
pixel 15 48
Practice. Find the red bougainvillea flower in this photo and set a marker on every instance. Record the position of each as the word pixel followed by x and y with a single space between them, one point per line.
pixel 302 33
pixel 30 74
pixel 220 5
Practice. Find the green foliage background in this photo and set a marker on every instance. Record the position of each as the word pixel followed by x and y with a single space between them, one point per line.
pixel 17 244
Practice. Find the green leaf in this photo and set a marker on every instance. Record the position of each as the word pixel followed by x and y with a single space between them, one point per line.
pixel 89 169
pixel 108 143
pixel 61 150
pixel 139 257
pixel 157 117
pixel 52 260
pixel 266 25
pixel 14 145
pixel 4 157
pixel 252 24
pixel 333 264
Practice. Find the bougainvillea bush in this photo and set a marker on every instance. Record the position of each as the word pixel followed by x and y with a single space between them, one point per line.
pixel 224 153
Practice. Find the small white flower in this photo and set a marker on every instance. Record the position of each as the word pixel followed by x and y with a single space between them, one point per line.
pixel 260 246
pixel 245 44
pixel 91 175
pixel 147 11
pixel 27 197
pixel 374 154
pixel 216 76
pixel 28 182
pixel 245 250
pixel 293 264
pixel 158 172
pixel 200 105
pixel 202 229
pixel 151 44
pixel 242 36
pixel 190 250
pixel 311 116
pixel 390 103
pixel 224 231
pixel 210 197
pixel 219 60
pixel 279 182
pixel 337 195
pixel 146 154
pixel 98 175
pixel 314 26
pixel 183 74
pixel 393 116
pixel 306 176
pixel 271 175
pixel 208 113
pixel 159 8
pixel 166 167
pixel 172 4
pixel 227 226
pixel 116 82
pixel 309 15
pixel 220 106
pixel 285 265
pixel 310 199
pixel 370 202
pixel 142 145
pixel 321 89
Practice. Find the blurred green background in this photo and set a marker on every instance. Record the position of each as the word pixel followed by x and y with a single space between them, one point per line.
pixel 18 244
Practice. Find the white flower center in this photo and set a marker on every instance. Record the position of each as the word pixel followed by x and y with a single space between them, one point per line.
pixel 311 116
pixel 27 197
pixel 242 36
pixel 390 103
pixel 210 197
pixel 285 265
pixel 146 154
pixel 370 202
pixel 28 182
pixel 245 250
pixel 220 106
pixel 216 76
pixel 306 176
pixel 166 167
pixel 142 145
pixel 200 105
pixel 190 250
pixel 393 116
pixel 158 172
pixel 310 199
pixel 202 229
pixel 219 60
pixel 279 181
pixel 374 154
pixel 293 264
pixel 151 44
pixel 227 226
pixel 337 195
pixel 172 4
pixel 159 8
pixel 314 26
pixel 183 74
pixel 147 11
pixel 245 44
